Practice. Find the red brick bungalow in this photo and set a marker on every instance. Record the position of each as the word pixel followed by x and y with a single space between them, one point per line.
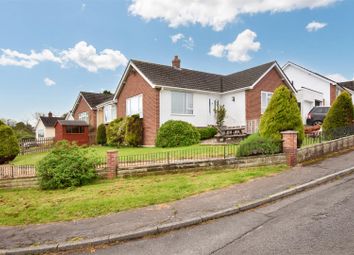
pixel 160 93
pixel 85 109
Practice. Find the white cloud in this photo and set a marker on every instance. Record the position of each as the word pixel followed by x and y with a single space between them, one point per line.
pixel 239 50
pixel 314 26
pixel 337 77
pixel 83 55
pixel 188 43
pixel 48 82
pixel 214 13
pixel 175 38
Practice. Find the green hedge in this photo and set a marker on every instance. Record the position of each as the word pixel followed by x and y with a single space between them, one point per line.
pixel 257 145
pixel 127 131
pixel 207 132
pixel 9 147
pixel 340 114
pixel 282 114
pixel 101 134
pixel 175 133
pixel 67 165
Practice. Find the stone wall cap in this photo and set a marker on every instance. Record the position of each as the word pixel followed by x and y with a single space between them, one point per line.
pixel 289 132
pixel 111 151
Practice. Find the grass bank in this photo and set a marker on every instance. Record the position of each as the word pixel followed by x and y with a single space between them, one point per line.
pixel 29 206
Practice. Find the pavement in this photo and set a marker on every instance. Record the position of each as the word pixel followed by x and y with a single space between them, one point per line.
pixel 318 221
pixel 169 213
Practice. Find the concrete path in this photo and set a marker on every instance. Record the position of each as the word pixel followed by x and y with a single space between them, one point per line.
pixel 318 221
pixel 139 219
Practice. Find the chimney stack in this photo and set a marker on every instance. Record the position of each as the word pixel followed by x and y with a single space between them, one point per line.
pixel 50 114
pixel 176 62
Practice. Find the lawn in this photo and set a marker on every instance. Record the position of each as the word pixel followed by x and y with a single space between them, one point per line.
pixel 28 206
pixel 100 151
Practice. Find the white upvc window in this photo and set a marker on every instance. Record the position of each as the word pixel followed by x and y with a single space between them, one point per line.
pixel 84 116
pixel 109 113
pixel 181 103
pixel 134 105
pixel 40 133
pixel 265 99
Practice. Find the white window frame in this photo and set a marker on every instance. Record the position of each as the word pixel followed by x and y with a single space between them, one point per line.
pixel 264 104
pixel 128 105
pixel 189 98
pixel 109 113
pixel 40 133
pixel 84 116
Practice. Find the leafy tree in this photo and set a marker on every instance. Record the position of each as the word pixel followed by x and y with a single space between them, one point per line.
pixel 67 165
pixel 340 114
pixel 282 114
pixel 9 147
pixel 134 131
pixel 101 134
pixel 174 133
pixel 116 132
pixel 107 92
pixel 220 113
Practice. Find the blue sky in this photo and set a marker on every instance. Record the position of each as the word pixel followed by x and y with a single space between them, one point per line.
pixel 83 45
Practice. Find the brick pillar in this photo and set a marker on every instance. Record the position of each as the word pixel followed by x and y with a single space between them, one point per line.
pixel 290 146
pixel 112 163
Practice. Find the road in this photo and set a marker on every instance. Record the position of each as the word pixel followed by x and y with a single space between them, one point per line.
pixel 318 221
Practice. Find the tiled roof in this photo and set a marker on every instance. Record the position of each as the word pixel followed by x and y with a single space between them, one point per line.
pixel 50 121
pixel 190 79
pixel 347 84
pixel 79 123
pixel 94 99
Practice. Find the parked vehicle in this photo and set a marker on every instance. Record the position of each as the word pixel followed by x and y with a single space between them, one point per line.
pixel 317 115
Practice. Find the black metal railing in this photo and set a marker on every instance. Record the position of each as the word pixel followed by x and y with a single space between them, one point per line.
pixel 178 156
pixel 317 137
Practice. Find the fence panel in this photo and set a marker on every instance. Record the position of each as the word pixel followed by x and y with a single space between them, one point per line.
pixel 178 156
pixel 12 172
pixel 36 145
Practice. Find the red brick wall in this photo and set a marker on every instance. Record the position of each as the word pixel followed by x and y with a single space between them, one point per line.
pixel 80 139
pixel 332 93
pixel 84 107
pixel 136 85
pixel 253 98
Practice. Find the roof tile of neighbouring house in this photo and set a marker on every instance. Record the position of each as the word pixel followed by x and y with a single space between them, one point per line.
pixel 190 79
pixel 348 85
pixel 50 121
pixel 78 123
pixel 94 99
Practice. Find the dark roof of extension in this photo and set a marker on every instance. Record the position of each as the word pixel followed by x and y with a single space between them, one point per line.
pixel 50 121
pixel 190 79
pixel 94 99
pixel 77 123
pixel 347 84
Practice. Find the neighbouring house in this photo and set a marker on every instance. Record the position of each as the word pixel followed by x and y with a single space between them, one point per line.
pixel 72 131
pixel 85 109
pixel 45 126
pixel 159 93
pixel 313 89
pixel 349 86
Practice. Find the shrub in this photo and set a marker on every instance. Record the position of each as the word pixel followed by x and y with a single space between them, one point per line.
pixel 67 165
pixel 220 113
pixel 134 131
pixel 101 135
pixel 257 145
pixel 174 133
pixel 207 132
pixel 282 114
pixel 9 147
pixel 116 132
pixel 340 114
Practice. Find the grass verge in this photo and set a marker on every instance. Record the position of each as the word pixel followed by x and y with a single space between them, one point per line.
pixel 29 206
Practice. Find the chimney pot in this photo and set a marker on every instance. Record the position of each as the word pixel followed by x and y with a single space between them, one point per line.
pixel 50 114
pixel 176 62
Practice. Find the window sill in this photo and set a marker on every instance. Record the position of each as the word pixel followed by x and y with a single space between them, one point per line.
pixel 182 114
